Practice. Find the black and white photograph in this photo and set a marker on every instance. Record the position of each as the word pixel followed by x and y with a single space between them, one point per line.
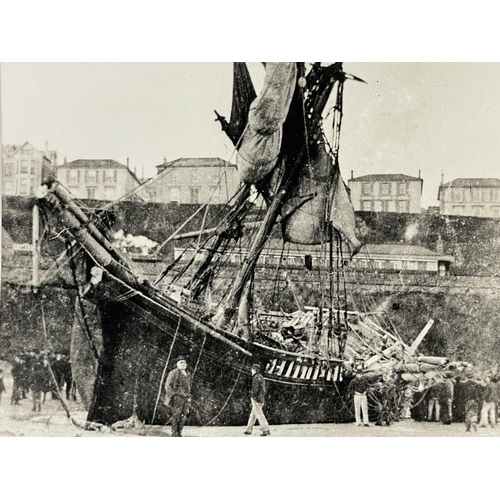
pixel 251 250
pixel 291 258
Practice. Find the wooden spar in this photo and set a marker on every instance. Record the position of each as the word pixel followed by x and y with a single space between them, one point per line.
pixel 174 234
pixel 254 253
pixel 98 252
pixel 66 199
pixel 385 353
pixel 222 236
pixel 420 337
pixel 410 350
pixel 193 234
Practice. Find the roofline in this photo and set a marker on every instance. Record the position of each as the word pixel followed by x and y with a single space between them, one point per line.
pixel 170 163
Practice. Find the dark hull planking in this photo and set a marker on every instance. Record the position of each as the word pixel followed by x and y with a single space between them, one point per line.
pixel 139 336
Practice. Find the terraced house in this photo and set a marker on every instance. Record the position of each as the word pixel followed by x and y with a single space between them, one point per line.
pixel 472 197
pixel 386 193
pixel 24 167
pixel 97 179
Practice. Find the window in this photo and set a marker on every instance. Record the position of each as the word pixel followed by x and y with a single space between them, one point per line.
pixel 367 188
pixel 495 195
pixel 23 186
pixel 90 193
pixel 24 166
pixel 366 206
pixel 422 266
pixel 110 177
pixel 9 188
pixel 32 189
pixel 477 210
pixel 8 169
pixel 195 194
pixel 73 176
pixel 457 209
pixel 456 194
pixel 402 188
pixel 174 194
pixel 485 195
pixel 385 206
pixel 385 188
pixel 90 176
pixel 403 207
pixel 174 178
pixel 475 194
pixel 152 194
pixel 33 166
pixel 495 211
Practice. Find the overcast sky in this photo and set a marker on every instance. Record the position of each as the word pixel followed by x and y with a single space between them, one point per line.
pixel 433 117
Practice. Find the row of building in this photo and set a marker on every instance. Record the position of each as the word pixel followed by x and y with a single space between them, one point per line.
pixel 215 181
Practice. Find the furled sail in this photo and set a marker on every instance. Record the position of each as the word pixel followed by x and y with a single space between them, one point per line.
pixel 342 215
pixel 260 143
pixel 320 198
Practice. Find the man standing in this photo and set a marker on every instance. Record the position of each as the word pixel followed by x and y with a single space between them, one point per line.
pixel 360 387
pixel 446 400
pixel 257 398
pixel 491 397
pixel 178 395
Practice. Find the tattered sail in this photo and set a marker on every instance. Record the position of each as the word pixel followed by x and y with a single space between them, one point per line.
pixel 260 143
pixel 342 215
pixel 243 96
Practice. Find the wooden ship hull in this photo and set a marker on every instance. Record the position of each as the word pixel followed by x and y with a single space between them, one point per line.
pixel 141 340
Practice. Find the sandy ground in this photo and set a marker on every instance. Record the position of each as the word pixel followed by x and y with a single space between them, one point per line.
pixel 19 420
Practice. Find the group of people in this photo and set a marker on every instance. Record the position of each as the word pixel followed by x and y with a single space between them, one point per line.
pixel 468 398
pixel 178 398
pixel 465 398
pixel 31 375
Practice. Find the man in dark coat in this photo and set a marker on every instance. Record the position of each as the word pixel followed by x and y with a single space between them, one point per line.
pixel 257 398
pixel 16 372
pixel 39 381
pixel 178 395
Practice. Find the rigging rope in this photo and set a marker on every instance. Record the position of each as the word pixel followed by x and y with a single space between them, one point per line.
pixel 227 400
pixel 54 380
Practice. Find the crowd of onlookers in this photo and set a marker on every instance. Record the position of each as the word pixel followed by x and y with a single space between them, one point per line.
pixel 467 398
pixel 37 373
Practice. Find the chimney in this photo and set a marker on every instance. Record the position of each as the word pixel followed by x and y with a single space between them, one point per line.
pixel 46 145
pixel 65 160
pixel 352 174
pixel 419 173
pixel 127 162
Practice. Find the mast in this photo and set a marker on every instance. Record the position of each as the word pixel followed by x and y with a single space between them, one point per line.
pixel 301 130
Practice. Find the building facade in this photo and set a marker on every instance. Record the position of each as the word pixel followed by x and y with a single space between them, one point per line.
pixel 194 180
pixel 98 179
pixel 24 167
pixel 386 193
pixel 471 197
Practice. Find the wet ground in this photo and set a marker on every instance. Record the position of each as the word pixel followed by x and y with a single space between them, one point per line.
pixel 52 421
